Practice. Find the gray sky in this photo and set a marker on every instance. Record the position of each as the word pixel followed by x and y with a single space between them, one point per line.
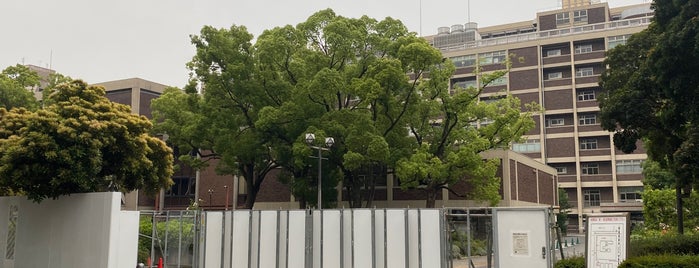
pixel 99 40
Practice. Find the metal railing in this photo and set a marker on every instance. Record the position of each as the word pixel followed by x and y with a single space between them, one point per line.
pixel 581 29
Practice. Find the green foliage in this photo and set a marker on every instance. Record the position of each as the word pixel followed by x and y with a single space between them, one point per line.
pixel 657 177
pixel 658 243
pixel 660 212
pixel 564 208
pixel 81 142
pixel 180 236
pixel 572 262
pixel 459 245
pixel 661 261
pixel 16 83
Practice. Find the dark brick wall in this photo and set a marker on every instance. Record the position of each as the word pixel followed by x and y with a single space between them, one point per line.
pixel 122 96
pixel 547 22
pixel 527 98
pixel 524 79
pixel 557 59
pixel 513 179
pixel 596 15
pixel 559 82
pixel 589 56
pixel 272 190
pixel 639 149
pixel 558 99
pixel 146 98
pixel 629 177
pixel 536 128
pixel 494 89
pixel 526 177
pixel 560 147
pixel 527 55
pixel 547 192
pixel 465 70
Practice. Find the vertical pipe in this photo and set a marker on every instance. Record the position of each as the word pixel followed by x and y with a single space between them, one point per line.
pixel 320 178
pixel 179 244
pixel 167 218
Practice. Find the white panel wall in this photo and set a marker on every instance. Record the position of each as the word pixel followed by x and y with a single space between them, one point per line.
pixel 395 238
pixel 80 230
pixel 214 235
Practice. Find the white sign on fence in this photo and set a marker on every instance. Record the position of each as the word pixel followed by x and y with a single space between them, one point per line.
pixel 607 237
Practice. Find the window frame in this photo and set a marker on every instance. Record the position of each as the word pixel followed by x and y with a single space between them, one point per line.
pixel 584 72
pixel 559 76
pixel 528 146
pixel 558 52
pixel 587 119
pixel 588 144
pixel 587 95
pixel 589 168
pixel 493 57
pixel 583 48
pixel 592 198
pixel 467 60
pixel 562 18
pixel 578 15
pixel 630 166
pixel 561 170
pixel 550 122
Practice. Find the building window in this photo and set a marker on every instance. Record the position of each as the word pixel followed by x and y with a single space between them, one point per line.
pixel 587 119
pixel 182 187
pixel 588 144
pixel 614 41
pixel 485 122
pixel 584 72
pixel 629 166
pixel 555 75
pixel 630 194
pixel 592 198
pixel 561 170
pixel 529 146
pixel 464 61
pixel 553 52
pixel 562 18
pixel 589 168
pixel 580 16
pixel 586 95
pixel 580 49
pixel 555 122
pixel 493 57
pixel 500 81
pixel 465 84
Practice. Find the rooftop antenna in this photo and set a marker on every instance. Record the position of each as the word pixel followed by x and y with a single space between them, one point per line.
pixel 468 7
pixel 420 17
pixel 51 60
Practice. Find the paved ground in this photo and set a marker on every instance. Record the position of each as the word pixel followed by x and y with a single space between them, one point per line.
pixel 569 251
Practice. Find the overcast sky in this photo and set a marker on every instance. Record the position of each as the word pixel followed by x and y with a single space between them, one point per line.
pixel 100 41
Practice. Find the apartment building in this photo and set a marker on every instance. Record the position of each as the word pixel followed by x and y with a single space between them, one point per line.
pixel 556 61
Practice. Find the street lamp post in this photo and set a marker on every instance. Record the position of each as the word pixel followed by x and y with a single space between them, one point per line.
pixel 226 187
pixel 211 192
pixel 329 141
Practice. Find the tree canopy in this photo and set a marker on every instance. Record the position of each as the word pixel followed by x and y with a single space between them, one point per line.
pixel 15 82
pixel 80 142
pixel 371 85
pixel 652 91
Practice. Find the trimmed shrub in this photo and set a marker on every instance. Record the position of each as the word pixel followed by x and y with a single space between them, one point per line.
pixel 574 262
pixel 687 244
pixel 661 261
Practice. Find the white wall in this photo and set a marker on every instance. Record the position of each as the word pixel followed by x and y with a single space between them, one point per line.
pixel 80 230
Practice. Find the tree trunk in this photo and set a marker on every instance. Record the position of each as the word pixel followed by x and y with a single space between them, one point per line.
pixel 680 210
pixel 431 197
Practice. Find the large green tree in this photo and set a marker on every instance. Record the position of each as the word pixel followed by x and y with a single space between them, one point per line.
pixel 16 83
pixel 652 92
pixel 81 142
pixel 450 131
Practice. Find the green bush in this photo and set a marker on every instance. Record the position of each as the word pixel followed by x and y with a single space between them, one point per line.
pixel 574 262
pixel 687 244
pixel 459 245
pixel 661 261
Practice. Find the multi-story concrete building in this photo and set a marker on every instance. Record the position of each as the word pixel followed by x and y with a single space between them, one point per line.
pixel 557 59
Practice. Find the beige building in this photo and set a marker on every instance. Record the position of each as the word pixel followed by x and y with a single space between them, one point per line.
pixel 557 60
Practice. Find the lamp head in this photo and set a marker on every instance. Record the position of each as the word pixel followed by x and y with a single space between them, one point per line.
pixel 310 138
pixel 329 142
